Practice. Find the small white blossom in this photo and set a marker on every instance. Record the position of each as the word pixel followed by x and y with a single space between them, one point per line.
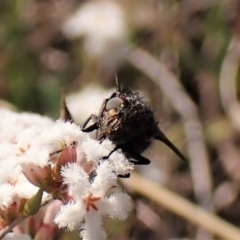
pixel 93 200
pixel 28 136
pixel 117 201
pixel 6 192
pixel 15 191
pixel 9 169
pixel 35 155
pixel 75 177
pixel 93 227
pixel 69 215
pixel 105 178
pixel 120 163
pixel 12 123
pixel 6 150
pixel 107 144
pixel 23 188
pixel 102 23
pixel 61 131
pixel 93 150
pixel 104 19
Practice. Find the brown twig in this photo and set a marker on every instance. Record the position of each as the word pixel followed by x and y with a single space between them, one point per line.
pixel 18 220
pixel 182 207
pixel 9 228
pixel 180 101
pixel 228 82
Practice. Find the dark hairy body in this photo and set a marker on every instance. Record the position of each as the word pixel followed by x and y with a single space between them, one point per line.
pixel 128 121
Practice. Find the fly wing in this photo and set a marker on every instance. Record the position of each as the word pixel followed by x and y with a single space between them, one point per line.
pixel 121 88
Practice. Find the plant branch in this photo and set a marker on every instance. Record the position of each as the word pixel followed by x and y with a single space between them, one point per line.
pixel 168 82
pixel 228 82
pixel 18 220
pixel 182 207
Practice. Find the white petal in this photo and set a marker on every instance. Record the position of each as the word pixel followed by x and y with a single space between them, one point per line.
pixel 61 131
pixel 108 145
pixel 93 150
pixel 76 178
pixel 6 150
pixel 120 163
pixel 27 136
pixel 12 123
pixel 7 193
pixel 93 227
pixel 9 169
pixel 105 178
pixel 119 204
pixel 36 155
pixel 70 215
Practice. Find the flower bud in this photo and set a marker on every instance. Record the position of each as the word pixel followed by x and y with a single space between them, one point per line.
pixel 32 205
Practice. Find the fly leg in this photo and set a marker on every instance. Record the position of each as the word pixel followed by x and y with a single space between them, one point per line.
pixel 135 158
pixel 94 126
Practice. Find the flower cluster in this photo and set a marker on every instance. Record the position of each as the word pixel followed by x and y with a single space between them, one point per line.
pixel 57 159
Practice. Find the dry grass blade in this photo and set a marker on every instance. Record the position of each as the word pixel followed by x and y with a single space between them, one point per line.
pixel 180 101
pixel 182 207
pixel 228 82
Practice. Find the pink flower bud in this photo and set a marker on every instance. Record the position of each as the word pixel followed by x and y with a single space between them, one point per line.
pixel 38 176
pixel 68 155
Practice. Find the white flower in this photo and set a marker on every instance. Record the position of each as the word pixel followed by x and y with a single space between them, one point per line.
pixel 69 215
pixel 23 188
pixel 27 136
pixel 75 177
pixel 107 144
pixel 9 169
pixel 105 179
pixel 102 23
pixel 15 236
pixel 16 189
pixel 93 227
pixel 7 193
pixel 6 150
pixel 61 132
pixel 93 150
pixel 38 156
pixel 12 123
pixel 25 164
pixel 58 157
pixel 120 163
pixel 117 201
pixel 91 200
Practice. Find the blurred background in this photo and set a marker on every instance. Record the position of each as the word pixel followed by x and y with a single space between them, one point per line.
pixel 183 55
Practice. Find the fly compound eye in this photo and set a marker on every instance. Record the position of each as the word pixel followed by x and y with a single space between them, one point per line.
pixel 113 103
